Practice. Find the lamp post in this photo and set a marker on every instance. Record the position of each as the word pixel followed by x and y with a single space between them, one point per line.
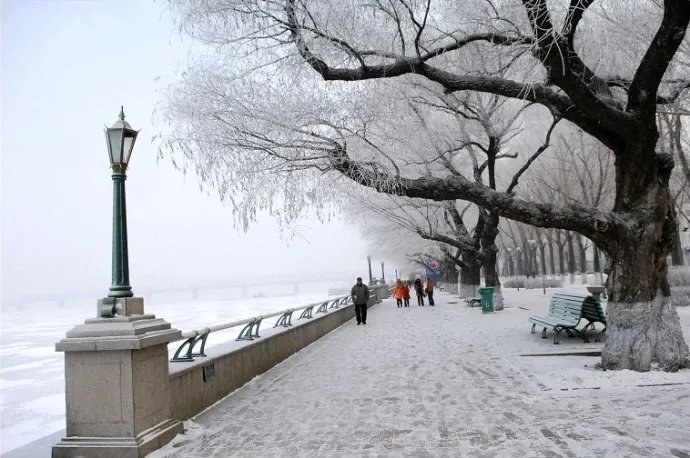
pixel 371 280
pixel 120 139
pixel 396 274
pixel 383 274
pixel 116 365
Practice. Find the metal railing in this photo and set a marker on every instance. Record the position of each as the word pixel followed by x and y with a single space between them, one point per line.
pixel 250 331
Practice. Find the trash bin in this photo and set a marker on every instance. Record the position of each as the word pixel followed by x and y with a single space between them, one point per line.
pixel 487 295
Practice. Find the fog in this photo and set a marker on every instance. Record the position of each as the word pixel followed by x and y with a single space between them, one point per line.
pixel 67 66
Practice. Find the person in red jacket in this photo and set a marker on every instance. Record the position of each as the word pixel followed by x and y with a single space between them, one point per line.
pixel 398 293
pixel 406 294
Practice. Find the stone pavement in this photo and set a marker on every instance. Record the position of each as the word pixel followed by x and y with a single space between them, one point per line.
pixel 432 381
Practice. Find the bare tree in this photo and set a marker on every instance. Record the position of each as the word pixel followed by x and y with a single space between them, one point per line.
pixel 369 54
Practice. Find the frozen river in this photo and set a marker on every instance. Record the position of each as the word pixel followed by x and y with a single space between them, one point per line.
pixel 32 373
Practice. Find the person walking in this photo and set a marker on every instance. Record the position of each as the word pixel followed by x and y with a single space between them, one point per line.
pixel 398 293
pixel 406 294
pixel 360 297
pixel 420 292
pixel 429 288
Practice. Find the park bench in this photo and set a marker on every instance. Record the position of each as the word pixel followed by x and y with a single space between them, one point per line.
pixel 473 301
pixel 566 311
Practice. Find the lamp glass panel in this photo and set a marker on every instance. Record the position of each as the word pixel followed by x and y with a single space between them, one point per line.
pixel 129 144
pixel 115 139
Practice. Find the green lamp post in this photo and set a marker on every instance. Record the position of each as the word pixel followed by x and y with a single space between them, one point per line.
pixel 120 139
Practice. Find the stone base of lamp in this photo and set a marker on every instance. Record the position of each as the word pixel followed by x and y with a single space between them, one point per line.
pixel 125 306
pixel 117 387
pixel 118 447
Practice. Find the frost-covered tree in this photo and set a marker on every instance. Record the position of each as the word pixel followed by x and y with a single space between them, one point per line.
pixel 320 87
pixel 423 221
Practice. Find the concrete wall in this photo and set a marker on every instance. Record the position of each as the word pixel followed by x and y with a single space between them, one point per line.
pixel 190 394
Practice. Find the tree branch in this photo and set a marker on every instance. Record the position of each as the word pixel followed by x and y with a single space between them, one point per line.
pixel 541 149
pixel 569 72
pixel 592 222
pixel 669 36
pixel 575 11
pixel 604 126
pixel 459 262
pixel 492 38
pixel 457 243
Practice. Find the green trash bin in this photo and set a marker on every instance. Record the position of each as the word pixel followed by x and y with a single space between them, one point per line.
pixel 487 295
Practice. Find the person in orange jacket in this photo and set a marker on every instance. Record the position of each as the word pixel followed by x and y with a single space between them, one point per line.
pixel 429 288
pixel 398 293
pixel 406 294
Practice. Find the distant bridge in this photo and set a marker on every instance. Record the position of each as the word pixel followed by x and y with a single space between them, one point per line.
pixel 241 288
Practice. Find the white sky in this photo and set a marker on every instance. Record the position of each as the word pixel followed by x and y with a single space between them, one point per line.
pixel 67 66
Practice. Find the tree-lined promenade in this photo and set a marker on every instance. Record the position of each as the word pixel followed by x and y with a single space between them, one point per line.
pixel 413 382
pixel 299 106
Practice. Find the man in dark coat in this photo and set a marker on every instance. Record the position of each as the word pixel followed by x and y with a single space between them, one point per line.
pixel 360 297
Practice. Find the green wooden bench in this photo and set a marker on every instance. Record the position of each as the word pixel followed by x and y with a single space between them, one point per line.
pixel 566 312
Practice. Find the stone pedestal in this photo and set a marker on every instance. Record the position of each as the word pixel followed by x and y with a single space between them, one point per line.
pixel 117 386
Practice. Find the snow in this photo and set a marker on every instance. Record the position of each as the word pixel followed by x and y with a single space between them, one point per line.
pixel 417 381
pixel 443 381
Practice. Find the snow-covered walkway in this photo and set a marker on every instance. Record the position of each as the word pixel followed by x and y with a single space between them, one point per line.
pixel 440 381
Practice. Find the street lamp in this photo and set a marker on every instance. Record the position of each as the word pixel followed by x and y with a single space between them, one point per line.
pixel 371 280
pixel 383 274
pixel 120 139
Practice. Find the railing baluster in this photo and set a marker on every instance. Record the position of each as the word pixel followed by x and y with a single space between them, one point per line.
pixel 188 355
pixel 256 326
pixel 306 313
pixel 285 319
pixel 246 332
pixel 323 308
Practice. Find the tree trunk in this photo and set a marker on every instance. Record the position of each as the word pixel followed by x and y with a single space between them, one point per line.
pixel 489 252
pixel 643 326
pixel 469 277
pixel 571 257
pixel 534 266
pixel 543 261
pixel 677 258
pixel 491 277
pixel 583 259
pixel 597 265
pixel 447 270
pixel 561 255
pixel 552 261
